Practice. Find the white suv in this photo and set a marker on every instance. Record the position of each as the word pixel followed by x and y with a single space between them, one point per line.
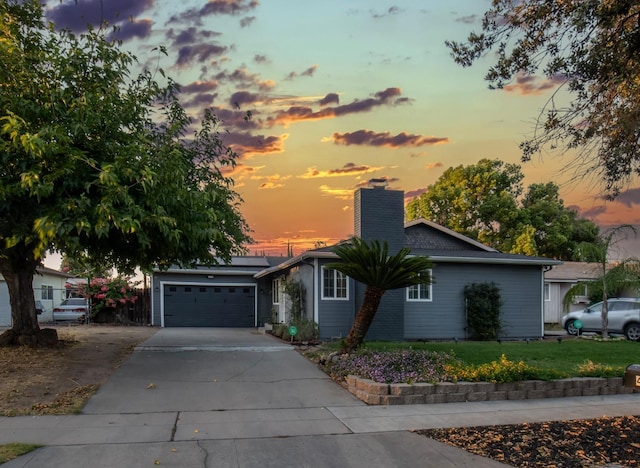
pixel 623 317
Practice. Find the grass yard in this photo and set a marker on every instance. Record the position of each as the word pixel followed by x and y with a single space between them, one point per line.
pixel 569 357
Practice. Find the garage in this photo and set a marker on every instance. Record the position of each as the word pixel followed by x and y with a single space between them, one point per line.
pixel 224 305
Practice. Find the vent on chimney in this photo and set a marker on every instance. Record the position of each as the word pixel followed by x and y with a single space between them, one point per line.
pixel 378 183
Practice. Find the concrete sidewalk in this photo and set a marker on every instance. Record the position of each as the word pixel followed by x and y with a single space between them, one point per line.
pixel 209 398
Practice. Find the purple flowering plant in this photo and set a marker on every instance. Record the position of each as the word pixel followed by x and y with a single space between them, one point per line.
pixel 400 366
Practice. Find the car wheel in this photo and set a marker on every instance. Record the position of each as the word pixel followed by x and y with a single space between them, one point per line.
pixel 632 331
pixel 571 329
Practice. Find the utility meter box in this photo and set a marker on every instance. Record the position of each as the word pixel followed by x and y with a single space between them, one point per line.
pixel 632 376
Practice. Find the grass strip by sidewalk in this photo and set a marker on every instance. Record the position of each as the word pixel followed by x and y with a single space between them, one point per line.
pixel 10 451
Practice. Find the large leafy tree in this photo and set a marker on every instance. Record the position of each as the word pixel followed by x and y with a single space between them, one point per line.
pixel 593 48
pixel 474 200
pixel 100 164
pixel 487 202
pixel 371 264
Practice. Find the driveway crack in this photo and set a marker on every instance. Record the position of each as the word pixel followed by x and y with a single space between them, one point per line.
pixel 175 427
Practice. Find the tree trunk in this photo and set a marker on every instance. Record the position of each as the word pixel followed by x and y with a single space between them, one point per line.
pixel 605 308
pixel 364 317
pixel 24 329
pixel 605 314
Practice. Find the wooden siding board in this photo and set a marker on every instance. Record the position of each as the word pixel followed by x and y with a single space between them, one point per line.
pixel 444 317
pixel 334 316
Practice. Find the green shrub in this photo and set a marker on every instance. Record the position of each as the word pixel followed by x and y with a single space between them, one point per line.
pixel 591 369
pixel 279 330
pixel 483 305
pixel 496 371
pixel 307 329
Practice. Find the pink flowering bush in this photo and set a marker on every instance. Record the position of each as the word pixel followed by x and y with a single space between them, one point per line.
pixel 108 293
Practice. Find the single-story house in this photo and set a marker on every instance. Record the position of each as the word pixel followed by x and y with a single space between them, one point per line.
pixel 248 292
pixel 48 288
pixel 558 280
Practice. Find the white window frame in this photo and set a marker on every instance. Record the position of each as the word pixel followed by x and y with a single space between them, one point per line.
pixel 420 288
pixel 337 277
pixel 275 291
pixel 547 292
pixel 48 289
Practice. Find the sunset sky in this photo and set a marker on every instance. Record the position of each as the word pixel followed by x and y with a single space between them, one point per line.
pixel 341 91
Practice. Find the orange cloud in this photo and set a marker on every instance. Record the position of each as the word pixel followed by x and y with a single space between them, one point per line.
pixel 269 186
pixel 530 84
pixel 343 194
pixel 247 145
pixel 411 194
pixel 346 170
pixel 434 165
pixel 389 96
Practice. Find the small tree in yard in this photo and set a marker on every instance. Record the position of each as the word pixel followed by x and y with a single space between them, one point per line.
pixel 95 162
pixel 371 264
pixel 483 305
pixel 610 280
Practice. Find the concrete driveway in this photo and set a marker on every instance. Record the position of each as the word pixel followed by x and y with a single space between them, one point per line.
pixel 215 369
pixel 203 397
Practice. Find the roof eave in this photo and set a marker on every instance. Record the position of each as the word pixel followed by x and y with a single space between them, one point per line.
pixel 294 261
pixel 502 261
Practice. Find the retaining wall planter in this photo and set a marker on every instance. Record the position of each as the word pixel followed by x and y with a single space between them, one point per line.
pixel 374 393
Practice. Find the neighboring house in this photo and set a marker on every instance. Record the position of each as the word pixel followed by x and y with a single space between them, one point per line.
pixel 48 288
pixel 558 280
pixel 250 289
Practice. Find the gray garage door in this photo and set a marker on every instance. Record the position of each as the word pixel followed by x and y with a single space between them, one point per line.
pixel 209 306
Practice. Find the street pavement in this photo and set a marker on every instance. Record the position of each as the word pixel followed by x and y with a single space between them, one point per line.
pixel 197 397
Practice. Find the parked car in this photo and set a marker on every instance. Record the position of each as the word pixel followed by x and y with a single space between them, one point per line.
pixel 71 309
pixel 623 317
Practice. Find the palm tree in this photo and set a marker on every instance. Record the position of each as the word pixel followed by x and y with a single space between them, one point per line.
pixel 372 265
pixel 610 280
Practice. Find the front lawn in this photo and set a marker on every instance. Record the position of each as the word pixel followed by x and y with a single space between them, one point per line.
pixel 486 361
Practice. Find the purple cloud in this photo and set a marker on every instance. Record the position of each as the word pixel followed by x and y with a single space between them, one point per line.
pixel 77 15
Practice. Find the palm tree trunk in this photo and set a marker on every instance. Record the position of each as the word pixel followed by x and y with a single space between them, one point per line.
pixel 605 311
pixel 364 317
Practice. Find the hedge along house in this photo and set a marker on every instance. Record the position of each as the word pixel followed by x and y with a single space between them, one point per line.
pixel 435 311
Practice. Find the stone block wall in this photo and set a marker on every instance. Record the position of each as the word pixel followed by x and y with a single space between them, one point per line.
pixel 374 393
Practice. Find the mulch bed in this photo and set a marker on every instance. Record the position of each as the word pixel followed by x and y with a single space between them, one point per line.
pixel 579 443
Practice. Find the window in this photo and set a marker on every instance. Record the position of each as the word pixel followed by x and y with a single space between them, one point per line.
pixel 275 291
pixel 582 290
pixel 419 292
pixel 334 284
pixel 547 292
pixel 47 292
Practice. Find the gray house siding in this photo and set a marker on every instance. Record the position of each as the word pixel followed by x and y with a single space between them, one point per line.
pixel 263 292
pixel 444 317
pixel 388 324
pixel 334 316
